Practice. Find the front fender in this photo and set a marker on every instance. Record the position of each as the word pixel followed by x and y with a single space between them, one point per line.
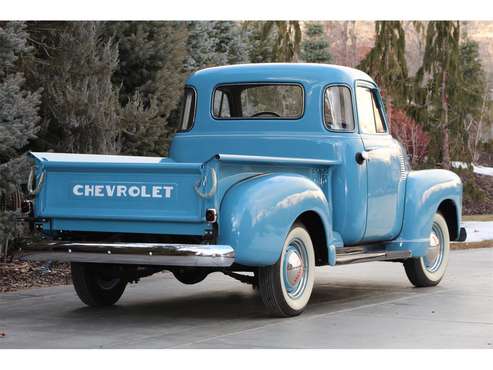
pixel 257 214
pixel 425 191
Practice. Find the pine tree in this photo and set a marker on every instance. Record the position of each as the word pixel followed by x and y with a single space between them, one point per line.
pixel 215 43
pixel 229 42
pixel 199 46
pixel 140 126
pixel 315 44
pixel 18 121
pixel 260 44
pixel 151 77
pixel 469 102
pixel 386 63
pixel 440 73
pixel 74 65
pixel 274 41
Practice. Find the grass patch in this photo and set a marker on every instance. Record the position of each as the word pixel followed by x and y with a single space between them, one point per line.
pixel 478 218
pixel 472 245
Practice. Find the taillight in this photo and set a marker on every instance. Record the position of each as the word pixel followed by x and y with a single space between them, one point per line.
pixel 26 206
pixel 211 215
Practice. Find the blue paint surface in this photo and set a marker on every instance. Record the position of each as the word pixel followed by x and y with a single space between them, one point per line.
pixel 269 172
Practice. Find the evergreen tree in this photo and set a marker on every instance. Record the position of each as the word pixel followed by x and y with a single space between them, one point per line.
pixel 199 46
pixel 440 73
pixel 141 124
pixel 261 44
pixel 315 44
pixel 472 77
pixel 229 42
pixel 274 41
pixel 469 103
pixel 386 63
pixel 215 43
pixel 74 64
pixel 151 77
pixel 18 121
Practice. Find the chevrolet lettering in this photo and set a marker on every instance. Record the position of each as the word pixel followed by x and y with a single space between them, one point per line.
pixel 132 191
pixel 274 169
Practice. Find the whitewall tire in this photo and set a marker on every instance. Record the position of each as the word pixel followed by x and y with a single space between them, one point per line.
pixel 286 286
pixel 429 270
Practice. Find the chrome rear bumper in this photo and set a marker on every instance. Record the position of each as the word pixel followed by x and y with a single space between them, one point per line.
pixel 163 254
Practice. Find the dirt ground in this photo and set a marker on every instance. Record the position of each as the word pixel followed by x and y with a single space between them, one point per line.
pixel 19 275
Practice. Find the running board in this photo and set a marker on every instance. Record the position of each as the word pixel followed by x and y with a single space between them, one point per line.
pixel 357 254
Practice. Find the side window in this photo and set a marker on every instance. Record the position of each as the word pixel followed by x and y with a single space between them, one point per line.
pixel 338 110
pixel 221 104
pixel 188 110
pixel 369 114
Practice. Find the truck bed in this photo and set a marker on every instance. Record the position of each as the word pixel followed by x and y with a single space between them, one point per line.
pixel 119 194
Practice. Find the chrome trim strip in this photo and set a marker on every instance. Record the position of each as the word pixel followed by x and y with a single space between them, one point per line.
pixel 239 158
pixel 164 254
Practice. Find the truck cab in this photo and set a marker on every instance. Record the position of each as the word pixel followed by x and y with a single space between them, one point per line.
pixel 274 169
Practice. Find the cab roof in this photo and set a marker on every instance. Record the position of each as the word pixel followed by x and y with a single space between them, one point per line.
pixel 305 73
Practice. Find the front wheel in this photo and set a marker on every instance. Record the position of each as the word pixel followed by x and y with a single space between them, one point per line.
pixel 286 286
pixel 95 285
pixel 429 270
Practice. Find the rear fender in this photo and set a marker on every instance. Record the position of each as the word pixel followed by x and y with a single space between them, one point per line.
pixel 257 214
pixel 425 191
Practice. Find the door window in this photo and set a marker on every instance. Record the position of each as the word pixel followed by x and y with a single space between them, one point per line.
pixel 369 113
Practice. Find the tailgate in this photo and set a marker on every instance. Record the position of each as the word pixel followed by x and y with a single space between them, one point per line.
pixel 97 187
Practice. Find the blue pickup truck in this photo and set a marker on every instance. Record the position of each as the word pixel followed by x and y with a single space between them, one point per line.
pixel 275 169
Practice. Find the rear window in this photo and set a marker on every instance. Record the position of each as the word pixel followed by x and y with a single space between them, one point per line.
pixel 258 101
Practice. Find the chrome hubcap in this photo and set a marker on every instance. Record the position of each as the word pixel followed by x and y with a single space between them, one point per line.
pixel 295 269
pixel 434 256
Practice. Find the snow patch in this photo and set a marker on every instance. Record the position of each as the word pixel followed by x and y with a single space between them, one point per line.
pixel 478 231
pixel 483 170
pixel 457 164
pixel 480 170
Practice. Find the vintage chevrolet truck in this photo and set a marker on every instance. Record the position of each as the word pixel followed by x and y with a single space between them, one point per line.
pixel 275 169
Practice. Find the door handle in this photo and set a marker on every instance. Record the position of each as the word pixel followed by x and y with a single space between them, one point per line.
pixel 362 156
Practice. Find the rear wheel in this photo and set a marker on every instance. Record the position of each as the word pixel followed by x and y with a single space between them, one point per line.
pixel 190 275
pixel 286 286
pixel 95 286
pixel 429 270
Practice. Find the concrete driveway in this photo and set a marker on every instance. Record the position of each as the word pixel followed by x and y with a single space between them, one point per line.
pixel 368 305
